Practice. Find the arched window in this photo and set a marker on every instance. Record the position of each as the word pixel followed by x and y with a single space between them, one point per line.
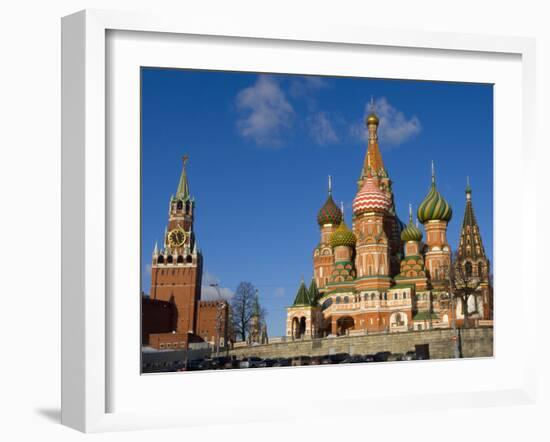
pixel 338 300
pixel 327 304
pixel 179 206
pixel 160 259
pixel 385 296
pixel 480 269
pixel 372 295
pixel 468 268
pixel 187 207
pixel 189 259
pixel 169 260
pixel 366 297
pixel 404 295
pixel 346 299
pixel 180 259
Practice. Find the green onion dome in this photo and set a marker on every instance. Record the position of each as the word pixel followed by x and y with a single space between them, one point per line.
pixel 343 236
pixel 411 232
pixel 329 213
pixel 434 207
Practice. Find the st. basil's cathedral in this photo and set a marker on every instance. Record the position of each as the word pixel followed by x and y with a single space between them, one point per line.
pixel 382 275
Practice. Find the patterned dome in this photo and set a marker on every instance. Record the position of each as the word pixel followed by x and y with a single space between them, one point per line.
pixel 370 198
pixel 343 236
pixel 411 233
pixel 329 213
pixel 434 207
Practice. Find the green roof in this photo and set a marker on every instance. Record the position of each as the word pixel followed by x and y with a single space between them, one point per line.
pixel 302 296
pixel 422 316
pixel 313 292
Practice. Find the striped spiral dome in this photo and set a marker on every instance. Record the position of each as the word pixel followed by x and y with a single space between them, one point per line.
pixel 370 198
pixel 329 213
pixel 411 233
pixel 343 236
pixel 434 207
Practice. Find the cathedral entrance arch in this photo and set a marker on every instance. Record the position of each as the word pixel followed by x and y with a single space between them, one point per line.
pixel 298 327
pixel 344 324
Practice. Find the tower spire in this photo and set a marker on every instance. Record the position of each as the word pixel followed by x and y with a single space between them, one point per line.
pixel 433 172
pixel 468 189
pixel 373 160
pixel 410 212
pixel 330 185
pixel 470 244
pixel 183 185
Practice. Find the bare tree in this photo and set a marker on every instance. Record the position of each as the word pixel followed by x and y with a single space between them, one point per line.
pixel 242 308
pixel 465 284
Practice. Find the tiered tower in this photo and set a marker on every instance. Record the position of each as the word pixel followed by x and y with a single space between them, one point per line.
pixel 472 258
pixel 370 208
pixel 374 165
pixel 176 269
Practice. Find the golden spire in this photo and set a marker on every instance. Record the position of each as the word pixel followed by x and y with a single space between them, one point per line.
pixel 373 158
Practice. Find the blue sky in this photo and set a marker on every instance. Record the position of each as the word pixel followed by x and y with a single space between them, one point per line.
pixel 261 148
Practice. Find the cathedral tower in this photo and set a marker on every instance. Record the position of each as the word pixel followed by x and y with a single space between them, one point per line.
pixel 176 269
pixel 435 213
pixel 471 256
pixel 343 242
pixel 374 165
pixel 412 265
pixel 328 218
pixel 372 260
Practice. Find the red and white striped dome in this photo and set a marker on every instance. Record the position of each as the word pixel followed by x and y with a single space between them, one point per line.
pixel 370 198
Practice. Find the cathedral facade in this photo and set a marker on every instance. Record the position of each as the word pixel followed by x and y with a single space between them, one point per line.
pixel 384 275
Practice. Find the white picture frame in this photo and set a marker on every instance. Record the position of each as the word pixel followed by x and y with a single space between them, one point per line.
pixel 87 355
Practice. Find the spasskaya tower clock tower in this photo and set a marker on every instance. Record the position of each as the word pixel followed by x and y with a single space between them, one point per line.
pixel 176 269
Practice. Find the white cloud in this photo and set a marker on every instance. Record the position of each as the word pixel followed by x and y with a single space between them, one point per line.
pixel 394 129
pixel 321 129
pixel 279 292
pixel 304 86
pixel 211 290
pixel 266 111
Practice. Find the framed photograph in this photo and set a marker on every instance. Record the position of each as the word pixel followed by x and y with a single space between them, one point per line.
pixel 249 210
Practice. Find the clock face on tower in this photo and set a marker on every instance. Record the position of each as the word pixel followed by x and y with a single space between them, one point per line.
pixel 177 237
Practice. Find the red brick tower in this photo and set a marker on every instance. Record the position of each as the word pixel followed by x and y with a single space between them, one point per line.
pixel 176 270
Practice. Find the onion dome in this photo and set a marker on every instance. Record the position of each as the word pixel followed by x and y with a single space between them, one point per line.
pixel 434 207
pixel 371 198
pixel 343 236
pixel 329 213
pixel 372 119
pixel 411 232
